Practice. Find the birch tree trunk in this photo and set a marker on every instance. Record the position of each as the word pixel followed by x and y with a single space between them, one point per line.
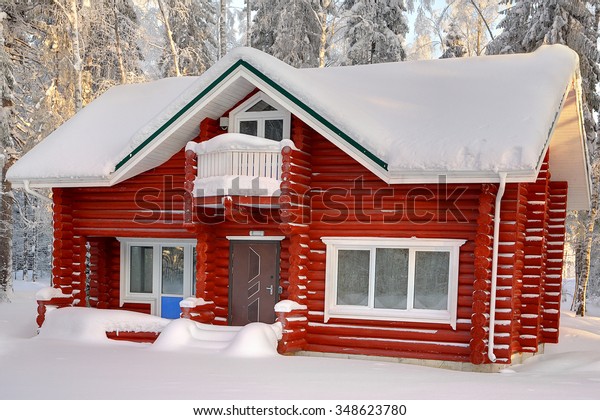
pixel 223 29
pixel 584 250
pixel 119 50
pixel 248 24
pixel 77 61
pixel 7 158
pixel 169 35
pixel 6 231
pixel 323 40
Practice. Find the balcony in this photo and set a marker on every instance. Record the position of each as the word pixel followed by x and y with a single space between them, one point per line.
pixel 236 165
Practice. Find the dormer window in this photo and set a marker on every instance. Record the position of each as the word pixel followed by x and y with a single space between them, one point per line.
pixel 262 117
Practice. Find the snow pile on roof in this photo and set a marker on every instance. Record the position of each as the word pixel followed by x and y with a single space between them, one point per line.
pixel 490 113
pixel 487 113
pixel 91 143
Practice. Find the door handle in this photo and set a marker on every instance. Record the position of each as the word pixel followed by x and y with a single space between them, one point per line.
pixel 270 289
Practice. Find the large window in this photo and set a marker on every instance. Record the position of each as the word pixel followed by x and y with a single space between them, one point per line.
pixel 392 279
pixel 262 117
pixel 159 272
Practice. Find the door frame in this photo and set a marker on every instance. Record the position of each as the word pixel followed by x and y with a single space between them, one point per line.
pixel 252 239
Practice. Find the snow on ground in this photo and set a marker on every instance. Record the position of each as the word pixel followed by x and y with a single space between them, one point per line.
pixel 84 366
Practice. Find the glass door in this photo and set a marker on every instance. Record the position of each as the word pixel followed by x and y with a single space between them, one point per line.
pixel 172 280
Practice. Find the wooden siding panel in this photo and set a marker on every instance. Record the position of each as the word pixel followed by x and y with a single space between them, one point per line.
pixel 348 200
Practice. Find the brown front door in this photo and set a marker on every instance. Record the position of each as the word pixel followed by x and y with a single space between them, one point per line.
pixel 253 282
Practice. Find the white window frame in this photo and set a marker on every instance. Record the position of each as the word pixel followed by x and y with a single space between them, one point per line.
pixel 239 114
pixel 333 310
pixel 153 299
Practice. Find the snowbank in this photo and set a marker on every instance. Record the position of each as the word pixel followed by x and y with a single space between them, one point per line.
pixel 91 325
pixel 70 370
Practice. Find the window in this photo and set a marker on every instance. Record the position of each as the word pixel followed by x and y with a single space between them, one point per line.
pixel 159 272
pixel 262 117
pixel 392 279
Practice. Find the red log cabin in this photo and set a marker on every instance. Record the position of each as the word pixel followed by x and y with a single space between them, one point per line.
pixel 414 210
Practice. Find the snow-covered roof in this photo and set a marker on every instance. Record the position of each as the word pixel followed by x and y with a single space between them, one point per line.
pixel 464 119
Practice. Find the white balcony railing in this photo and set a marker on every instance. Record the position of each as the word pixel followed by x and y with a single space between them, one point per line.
pixel 238 164
pixel 243 163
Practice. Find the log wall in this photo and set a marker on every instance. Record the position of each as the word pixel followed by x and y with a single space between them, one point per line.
pixel 557 209
pixel 348 200
pixel 87 222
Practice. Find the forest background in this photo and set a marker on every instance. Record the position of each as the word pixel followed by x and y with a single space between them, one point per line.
pixel 56 56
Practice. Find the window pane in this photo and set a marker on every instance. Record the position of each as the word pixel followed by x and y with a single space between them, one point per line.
pixel 249 127
pixel 274 129
pixel 140 274
pixel 353 277
pixel 432 270
pixel 391 278
pixel 172 270
pixel 260 106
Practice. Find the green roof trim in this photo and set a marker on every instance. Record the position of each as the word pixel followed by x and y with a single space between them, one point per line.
pixel 316 116
pixel 272 84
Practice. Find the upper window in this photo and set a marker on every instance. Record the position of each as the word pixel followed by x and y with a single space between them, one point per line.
pixel 392 279
pixel 262 117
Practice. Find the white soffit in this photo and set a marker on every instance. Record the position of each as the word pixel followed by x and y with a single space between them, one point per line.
pixel 568 154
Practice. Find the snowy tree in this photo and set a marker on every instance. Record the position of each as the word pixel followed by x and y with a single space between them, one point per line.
pixel 112 54
pixel 453 46
pixel 292 30
pixel 190 28
pixel 526 25
pixel 222 26
pixel 375 31
pixel 473 21
pixel 428 32
pixel 236 27
pixel 458 28
pixel 7 158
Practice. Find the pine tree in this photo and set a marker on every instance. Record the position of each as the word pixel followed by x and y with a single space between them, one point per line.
pixel 292 30
pixel 526 25
pixel 375 31
pixel 112 54
pixel 453 45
